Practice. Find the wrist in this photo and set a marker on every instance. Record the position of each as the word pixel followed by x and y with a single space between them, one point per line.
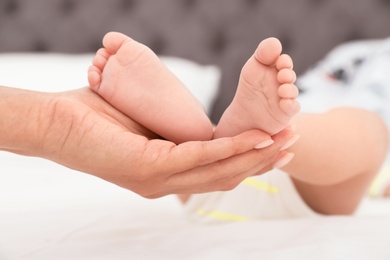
pixel 23 115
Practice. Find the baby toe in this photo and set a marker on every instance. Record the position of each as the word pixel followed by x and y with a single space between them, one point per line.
pixel 100 59
pixel 289 106
pixel 286 76
pixel 94 77
pixel 288 91
pixel 268 51
pixel 284 62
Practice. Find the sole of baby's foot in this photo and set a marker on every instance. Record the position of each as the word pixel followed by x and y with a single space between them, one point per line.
pixel 266 95
pixel 132 78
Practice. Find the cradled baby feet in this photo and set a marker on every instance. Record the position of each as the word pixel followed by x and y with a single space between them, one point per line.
pixel 131 77
pixel 266 95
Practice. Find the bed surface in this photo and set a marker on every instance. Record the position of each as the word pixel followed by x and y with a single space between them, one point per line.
pixel 50 212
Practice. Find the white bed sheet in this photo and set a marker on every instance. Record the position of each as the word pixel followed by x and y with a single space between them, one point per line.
pixel 51 212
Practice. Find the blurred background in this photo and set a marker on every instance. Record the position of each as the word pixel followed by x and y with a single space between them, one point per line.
pixel 219 32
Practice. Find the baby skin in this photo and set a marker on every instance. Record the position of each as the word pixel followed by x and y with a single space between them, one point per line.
pixel 130 76
pixel 266 95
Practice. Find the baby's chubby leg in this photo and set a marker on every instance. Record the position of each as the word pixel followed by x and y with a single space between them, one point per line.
pixel 265 97
pixel 132 78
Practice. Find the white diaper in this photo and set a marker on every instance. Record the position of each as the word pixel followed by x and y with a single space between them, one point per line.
pixel 268 196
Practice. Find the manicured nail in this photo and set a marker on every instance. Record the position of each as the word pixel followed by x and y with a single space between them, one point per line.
pixel 290 142
pixel 264 144
pixel 284 160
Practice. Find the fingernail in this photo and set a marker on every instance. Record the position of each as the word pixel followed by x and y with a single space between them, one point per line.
pixel 264 144
pixel 290 142
pixel 284 160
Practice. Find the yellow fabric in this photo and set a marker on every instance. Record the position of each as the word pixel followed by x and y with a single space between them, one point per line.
pixel 215 214
pixel 220 215
pixel 380 182
pixel 263 186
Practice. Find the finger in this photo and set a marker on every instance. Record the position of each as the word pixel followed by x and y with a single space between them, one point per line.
pixel 190 155
pixel 223 174
pixel 263 169
pixel 208 177
pixel 224 184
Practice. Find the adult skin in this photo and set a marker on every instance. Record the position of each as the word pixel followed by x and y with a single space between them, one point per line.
pixel 79 130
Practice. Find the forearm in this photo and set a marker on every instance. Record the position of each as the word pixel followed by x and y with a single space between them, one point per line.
pixel 21 118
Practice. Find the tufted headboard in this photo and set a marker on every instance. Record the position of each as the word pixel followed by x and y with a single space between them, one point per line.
pixel 221 32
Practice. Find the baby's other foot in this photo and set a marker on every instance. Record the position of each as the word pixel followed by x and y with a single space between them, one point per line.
pixel 266 95
pixel 133 79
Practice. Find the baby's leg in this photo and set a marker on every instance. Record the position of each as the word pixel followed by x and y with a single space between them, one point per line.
pixel 336 158
pixel 132 78
pixel 265 97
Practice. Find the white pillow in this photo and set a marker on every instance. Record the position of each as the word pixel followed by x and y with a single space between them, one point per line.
pixel 59 72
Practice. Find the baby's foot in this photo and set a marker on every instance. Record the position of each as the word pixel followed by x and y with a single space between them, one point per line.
pixel 265 97
pixel 132 78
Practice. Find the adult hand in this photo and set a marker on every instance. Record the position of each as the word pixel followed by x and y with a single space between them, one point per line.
pixel 80 130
